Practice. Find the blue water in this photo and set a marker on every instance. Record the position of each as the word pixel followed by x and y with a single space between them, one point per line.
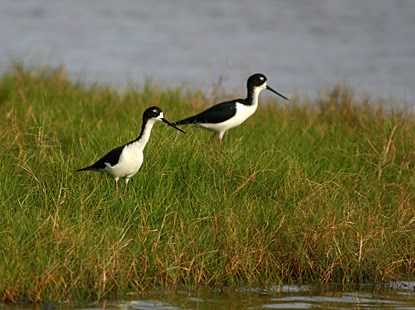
pixel 302 46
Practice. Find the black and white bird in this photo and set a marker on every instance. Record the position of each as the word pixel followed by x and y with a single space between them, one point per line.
pixel 226 115
pixel 125 161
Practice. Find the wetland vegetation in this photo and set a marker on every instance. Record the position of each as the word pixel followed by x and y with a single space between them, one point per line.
pixel 316 191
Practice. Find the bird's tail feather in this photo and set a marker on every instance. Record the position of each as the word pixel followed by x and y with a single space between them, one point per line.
pixel 186 121
pixel 85 169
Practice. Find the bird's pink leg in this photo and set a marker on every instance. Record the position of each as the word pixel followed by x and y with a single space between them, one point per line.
pixel 125 188
pixel 211 139
pixel 116 188
pixel 220 139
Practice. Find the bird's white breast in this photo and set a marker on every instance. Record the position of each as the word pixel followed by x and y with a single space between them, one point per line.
pixel 129 162
pixel 243 112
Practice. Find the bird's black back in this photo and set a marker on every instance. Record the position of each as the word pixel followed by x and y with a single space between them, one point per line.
pixel 111 157
pixel 215 114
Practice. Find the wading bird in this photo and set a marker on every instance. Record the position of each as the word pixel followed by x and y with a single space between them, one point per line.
pixel 125 161
pixel 226 115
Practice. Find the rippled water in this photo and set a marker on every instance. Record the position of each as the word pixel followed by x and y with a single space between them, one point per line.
pixel 394 295
pixel 284 297
pixel 397 295
pixel 301 45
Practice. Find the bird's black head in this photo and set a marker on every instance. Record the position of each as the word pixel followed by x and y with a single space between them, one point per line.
pixel 157 114
pixel 152 112
pixel 257 80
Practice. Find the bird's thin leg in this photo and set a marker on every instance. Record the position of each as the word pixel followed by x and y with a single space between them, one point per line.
pixel 116 188
pixel 125 188
pixel 211 139
pixel 220 138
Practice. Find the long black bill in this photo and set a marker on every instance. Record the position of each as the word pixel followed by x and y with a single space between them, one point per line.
pixel 170 124
pixel 274 91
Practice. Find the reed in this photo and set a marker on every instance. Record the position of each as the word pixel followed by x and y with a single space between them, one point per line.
pixel 320 191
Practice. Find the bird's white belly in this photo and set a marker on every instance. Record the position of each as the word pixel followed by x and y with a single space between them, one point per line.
pixel 243 112
pixel 127 166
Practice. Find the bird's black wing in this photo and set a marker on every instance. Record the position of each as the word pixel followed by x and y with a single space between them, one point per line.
pixel 111 157
pixel 216 114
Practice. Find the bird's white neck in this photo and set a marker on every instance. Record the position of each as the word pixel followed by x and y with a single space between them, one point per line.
pixel 144 136
pixel 253 95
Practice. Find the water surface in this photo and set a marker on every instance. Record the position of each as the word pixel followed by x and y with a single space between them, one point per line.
pixel 394 295
pixel 301 45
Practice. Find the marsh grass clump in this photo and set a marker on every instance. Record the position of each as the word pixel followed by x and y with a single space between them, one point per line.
pixel 302 192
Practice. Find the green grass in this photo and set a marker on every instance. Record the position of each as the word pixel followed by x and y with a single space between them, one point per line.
pixel 302 192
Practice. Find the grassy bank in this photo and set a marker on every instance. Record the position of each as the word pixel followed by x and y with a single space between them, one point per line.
pixel 310 192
